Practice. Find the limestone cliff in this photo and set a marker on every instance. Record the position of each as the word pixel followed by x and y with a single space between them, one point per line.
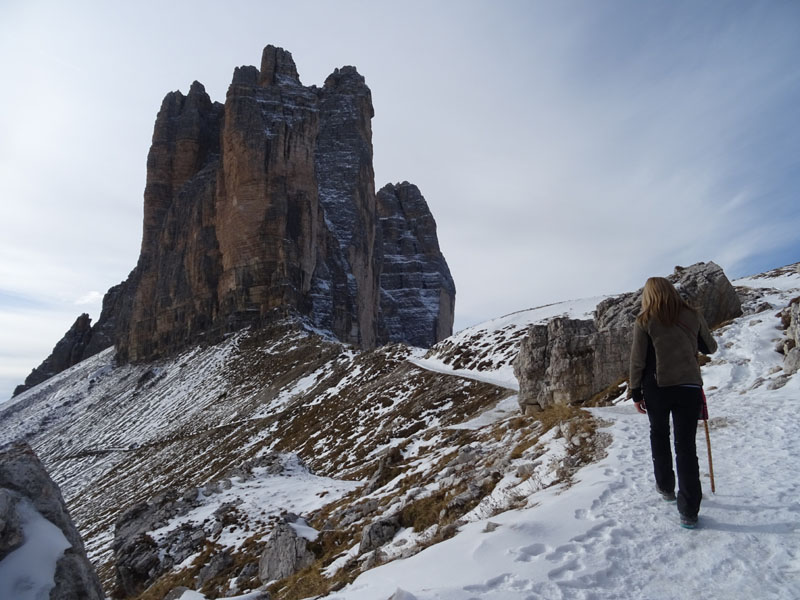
pixel 266 206
pixel 570 360
pixel 417 291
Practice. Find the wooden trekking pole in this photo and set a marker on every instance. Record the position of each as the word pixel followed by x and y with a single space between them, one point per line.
pixel 708 443
pixel 710 462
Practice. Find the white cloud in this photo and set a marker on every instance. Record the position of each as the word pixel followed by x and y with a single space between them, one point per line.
pixel 92 297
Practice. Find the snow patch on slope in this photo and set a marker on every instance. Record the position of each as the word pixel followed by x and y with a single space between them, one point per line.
pixel 610 536
pixel 28 573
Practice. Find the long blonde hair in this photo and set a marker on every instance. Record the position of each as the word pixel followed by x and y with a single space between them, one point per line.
pixel 661 300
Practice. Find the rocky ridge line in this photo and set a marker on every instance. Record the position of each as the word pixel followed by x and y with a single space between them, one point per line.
pixel 263 207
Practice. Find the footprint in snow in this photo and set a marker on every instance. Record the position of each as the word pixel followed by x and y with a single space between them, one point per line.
pixel 504 582
pixel 598 532
pixel 528 553
pixel 490 584
pixel 613 487
pixel 565 569
pixel 562 552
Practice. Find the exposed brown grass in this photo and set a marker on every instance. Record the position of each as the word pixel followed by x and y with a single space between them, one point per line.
pixel 423 513
pixel 605 396
pixel 525 444
pixel 556 414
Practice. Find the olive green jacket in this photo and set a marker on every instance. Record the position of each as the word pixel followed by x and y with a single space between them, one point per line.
pixel 675 349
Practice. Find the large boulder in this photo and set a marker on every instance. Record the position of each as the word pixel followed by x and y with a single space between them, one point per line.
pixel 137 564
pixel 285 554
pixel 11 536
pixel 29 496
pixel 379 532
pixel 570 360
pixel 791 363
pixel 219 563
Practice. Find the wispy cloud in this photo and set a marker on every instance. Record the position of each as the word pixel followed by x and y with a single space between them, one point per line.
pixel 92 297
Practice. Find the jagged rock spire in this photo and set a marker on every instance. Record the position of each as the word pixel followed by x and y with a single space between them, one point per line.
pixel 266 206
pixel 277 66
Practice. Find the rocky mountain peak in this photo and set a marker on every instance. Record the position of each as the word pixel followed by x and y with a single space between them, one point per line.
pixel 265 207
pixel 416 285
pixel 197 89
pixel 345 77
pixel 68 351
pixel 277 67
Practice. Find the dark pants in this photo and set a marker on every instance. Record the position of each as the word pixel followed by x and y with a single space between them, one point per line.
pixel 684 403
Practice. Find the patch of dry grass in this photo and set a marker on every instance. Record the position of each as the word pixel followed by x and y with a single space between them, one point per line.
pixel 608 394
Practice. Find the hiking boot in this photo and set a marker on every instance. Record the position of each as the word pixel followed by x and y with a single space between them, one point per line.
pixel 667 496
pixel 688 522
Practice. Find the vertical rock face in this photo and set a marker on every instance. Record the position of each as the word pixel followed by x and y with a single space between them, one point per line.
pixel 285 554
pixel 417 290
pixel 791 362
pixel 266 206
pixel 24 481
pixel 346 287
pixel 172 296
pixel 570 360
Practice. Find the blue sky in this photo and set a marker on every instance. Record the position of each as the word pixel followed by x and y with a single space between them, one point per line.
pixel 566 149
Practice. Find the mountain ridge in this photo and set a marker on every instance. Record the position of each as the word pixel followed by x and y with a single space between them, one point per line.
pixel 266 206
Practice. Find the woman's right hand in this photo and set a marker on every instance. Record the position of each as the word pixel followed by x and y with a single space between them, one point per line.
pixel 640 407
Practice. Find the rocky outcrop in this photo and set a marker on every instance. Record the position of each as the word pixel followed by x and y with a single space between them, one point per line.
pixel 82 340
pixel 791 348
pixel 379 532
pixel 266 207
pixel 138 560
pixel 219 563
pixel 70 350
pixel 24 482
pixel 11 535
pixel 285 554
pixel 570 360
pixel 137 565
pixel 417 290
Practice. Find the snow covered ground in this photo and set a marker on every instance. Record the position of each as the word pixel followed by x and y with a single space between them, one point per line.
pixel 608 535
pixel 611 536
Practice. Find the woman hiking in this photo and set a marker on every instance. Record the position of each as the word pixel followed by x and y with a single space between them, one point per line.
pixel 665 380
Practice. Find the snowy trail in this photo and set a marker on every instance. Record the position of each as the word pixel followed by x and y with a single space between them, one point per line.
pixel 439 367
pixel 611 536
